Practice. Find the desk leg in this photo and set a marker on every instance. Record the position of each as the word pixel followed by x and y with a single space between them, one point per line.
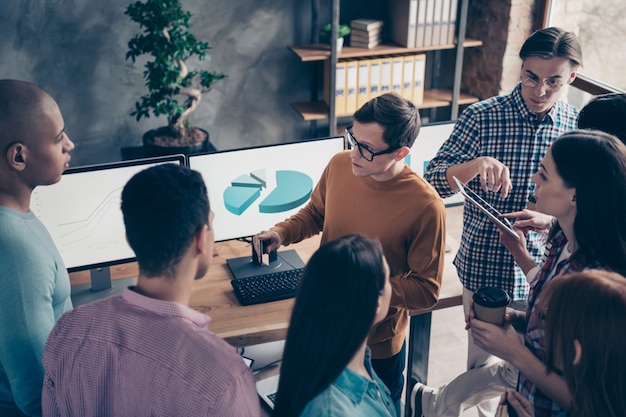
pixel 418 351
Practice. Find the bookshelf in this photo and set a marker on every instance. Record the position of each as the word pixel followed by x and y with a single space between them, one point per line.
pixel 321 51
pixel 434 97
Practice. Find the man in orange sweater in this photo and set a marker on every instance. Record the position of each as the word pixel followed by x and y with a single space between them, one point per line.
pixel 371 191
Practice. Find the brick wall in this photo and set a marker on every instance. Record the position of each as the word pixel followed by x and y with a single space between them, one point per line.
pixel 502 25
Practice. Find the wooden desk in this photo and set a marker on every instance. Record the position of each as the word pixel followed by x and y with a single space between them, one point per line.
pixel 243 325
pixel 250 325
pixel 213 295
pixel 261 323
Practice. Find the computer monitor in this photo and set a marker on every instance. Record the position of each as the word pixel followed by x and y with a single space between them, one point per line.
pixel 429 140
pixel 82 213
pixel 254 188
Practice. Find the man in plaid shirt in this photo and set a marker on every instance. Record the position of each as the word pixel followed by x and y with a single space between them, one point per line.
pixel 496 145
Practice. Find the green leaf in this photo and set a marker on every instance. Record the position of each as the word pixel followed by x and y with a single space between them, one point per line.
pixel 162 74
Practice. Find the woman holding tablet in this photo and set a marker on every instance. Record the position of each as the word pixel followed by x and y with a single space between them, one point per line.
pixel 581 182
pixel 326 367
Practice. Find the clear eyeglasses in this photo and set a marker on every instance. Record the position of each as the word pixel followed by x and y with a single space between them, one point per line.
pixel 551 84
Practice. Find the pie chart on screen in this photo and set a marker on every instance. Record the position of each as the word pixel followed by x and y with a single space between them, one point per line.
pixel 293 188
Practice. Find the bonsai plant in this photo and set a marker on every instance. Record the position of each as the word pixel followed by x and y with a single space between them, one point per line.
pixel 166 38
pixel 342 32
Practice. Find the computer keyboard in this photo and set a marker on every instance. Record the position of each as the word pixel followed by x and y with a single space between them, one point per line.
pixel 267 389
pixel 268 287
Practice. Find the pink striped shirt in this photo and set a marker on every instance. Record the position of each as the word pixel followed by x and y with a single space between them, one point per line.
pixel 136 356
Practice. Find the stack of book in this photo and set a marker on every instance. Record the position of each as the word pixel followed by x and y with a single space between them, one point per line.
pixel 365 33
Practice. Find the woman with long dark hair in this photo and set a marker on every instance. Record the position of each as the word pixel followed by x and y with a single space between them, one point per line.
pixel 581 182
pixel 326 366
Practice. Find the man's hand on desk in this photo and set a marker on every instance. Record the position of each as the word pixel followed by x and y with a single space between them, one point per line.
pixel 273 241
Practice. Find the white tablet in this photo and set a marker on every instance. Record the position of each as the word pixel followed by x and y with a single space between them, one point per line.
pixel 492 213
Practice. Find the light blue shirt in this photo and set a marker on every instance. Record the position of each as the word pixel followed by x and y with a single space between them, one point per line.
pixel 34 293
pixel 353 395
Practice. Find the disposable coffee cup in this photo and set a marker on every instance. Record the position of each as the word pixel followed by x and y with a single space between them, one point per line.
pixel 490 304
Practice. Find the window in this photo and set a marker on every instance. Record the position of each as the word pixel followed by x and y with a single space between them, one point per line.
pixel 601 28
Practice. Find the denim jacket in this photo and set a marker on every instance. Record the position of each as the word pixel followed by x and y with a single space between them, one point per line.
pixel 353 395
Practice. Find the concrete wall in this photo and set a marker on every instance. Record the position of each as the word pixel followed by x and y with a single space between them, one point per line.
pixel 75 50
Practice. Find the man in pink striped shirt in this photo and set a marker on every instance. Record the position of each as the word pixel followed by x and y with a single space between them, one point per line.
pixel 146 353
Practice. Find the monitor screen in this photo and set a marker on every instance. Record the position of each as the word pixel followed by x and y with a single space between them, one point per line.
pixel 252 189
pixel 82 213
pixel 428 142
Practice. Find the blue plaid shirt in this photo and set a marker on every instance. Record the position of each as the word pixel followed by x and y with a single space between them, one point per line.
pixel 503 128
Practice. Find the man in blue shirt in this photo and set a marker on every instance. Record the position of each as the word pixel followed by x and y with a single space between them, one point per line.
pixel 35 284
pixel 496 145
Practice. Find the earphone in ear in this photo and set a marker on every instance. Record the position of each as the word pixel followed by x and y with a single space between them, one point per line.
pixel 18 155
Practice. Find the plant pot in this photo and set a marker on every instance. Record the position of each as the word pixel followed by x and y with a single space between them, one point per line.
pixel 151 148
pixel 339 44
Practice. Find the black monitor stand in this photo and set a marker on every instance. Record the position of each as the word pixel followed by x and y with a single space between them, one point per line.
pixel 249 266
pixel 101 286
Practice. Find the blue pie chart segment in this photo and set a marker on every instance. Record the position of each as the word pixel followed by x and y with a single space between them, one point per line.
pixel 293 188
pixel 237 198
pixel 244 190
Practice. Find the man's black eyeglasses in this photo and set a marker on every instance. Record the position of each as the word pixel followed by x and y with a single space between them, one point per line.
pixel 365 152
